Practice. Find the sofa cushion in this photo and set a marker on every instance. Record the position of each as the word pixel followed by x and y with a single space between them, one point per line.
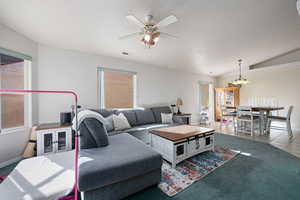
pixel 114 132
pixel 104 112
pixel 126 157
pixel 145 116
pixel 93 134
pixel 130 115
pixel 145 127
pixel 148 127
pixel 158 110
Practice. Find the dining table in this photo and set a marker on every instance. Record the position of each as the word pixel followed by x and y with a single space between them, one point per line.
pixel 264 113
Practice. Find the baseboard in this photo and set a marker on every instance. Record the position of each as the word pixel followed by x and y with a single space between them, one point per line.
pixel 11 161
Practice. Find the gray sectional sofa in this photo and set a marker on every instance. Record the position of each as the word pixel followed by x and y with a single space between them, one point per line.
pixel 141 120
pixel 123 164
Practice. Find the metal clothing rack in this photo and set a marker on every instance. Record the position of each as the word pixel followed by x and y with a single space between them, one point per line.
pixel 75 96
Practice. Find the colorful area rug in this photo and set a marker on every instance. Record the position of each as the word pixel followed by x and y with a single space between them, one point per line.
pixel 193 169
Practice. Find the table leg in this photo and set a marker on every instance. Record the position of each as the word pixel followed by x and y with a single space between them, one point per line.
pixel 262 121
pixel 267 123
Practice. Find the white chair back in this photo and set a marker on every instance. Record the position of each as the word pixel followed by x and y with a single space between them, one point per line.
pixel 244 111
pixel 289 113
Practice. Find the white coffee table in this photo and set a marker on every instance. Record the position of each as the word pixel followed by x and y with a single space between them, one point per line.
pixel 178 143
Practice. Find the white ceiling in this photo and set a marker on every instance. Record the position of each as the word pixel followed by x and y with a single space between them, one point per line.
pixel 213 34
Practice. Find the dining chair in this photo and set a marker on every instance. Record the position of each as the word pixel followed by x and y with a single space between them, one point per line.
pixel 227 115
pixel 246 116
pixel 286 120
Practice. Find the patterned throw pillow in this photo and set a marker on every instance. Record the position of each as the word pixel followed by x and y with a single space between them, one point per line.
pixel 120 122
pixel 166 118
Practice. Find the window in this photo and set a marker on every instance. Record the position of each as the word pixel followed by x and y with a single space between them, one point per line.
pixel 13 76
pixel 117 88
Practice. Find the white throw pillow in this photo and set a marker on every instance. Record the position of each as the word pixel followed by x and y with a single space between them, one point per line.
pixel 120 122
pixel 166 118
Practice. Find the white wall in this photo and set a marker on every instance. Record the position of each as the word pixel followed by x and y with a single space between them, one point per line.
pixel 72 70
pixel 58 69
pixel 13 144
pixel 278 82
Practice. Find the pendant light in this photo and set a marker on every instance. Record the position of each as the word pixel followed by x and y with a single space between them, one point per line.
pixel 240 80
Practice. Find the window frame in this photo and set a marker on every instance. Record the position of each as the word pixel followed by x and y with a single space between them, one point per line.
pixel 27 97
pixel 100 84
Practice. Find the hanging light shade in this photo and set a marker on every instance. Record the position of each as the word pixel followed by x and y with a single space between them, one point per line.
pixel 240 80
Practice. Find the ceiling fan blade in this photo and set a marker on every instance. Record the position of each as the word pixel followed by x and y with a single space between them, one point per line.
pixel 168 35
pixel 166 21
pixel 135 20
pixel 132 35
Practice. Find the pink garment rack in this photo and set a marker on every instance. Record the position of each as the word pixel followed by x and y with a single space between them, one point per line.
pixel 76 131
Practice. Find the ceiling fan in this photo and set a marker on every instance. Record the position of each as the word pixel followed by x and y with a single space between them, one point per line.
pixel 150 32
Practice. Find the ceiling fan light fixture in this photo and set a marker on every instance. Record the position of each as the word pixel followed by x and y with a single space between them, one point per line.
pixel 147 37
pixel 150 39
pixel 150 29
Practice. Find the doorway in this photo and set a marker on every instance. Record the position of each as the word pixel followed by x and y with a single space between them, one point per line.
pixel 206 102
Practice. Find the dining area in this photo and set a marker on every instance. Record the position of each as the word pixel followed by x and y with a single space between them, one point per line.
pixel 256 119
pixel 254 116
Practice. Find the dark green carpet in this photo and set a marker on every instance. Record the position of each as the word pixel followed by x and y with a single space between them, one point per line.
pixel 268 173
pixel 6 170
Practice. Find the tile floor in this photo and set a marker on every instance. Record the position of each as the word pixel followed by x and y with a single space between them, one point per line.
pixel 277 138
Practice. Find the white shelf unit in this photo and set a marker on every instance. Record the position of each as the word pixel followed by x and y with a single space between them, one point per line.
pixel 53 140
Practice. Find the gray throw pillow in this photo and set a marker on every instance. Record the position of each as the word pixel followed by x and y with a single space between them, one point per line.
pixel 109 125
pixel 96 131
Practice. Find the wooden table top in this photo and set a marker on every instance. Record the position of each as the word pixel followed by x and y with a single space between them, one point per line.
pixel 177 133
pixel 183 115
pixel 51 126
pixel 260 108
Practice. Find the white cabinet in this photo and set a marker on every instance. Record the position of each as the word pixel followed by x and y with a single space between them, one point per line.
pixel 53 138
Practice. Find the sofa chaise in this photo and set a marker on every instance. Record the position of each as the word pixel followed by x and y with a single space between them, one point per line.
pixel 126 165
